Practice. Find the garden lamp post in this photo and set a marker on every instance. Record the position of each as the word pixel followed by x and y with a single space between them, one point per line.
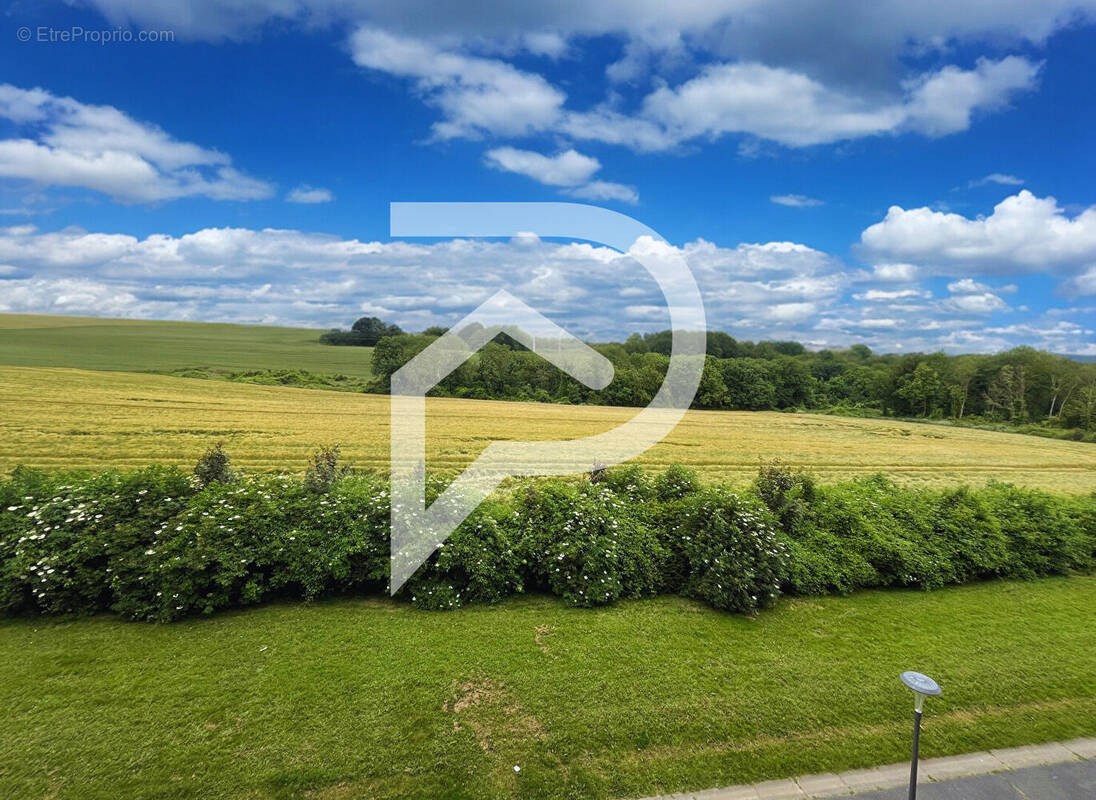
pixel 923 686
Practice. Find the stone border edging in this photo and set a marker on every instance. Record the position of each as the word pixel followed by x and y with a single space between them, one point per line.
pixel 851 782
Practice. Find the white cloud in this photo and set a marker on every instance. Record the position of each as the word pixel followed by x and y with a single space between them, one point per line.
pixel 978 303
pixel 475 94
pixel 1083 284
pixel 791 312
pixel 606 190
pixel 895 272
pixel 884 295
pixel 296 278
pixel 943 102
pixel 758 260
pixel 1023 234
pixel 480 96
pixel 102 149
pixel 795 200
pixel 310 195
pixel 767 102
pixel 545 43
pixel 971 286
pixel 781 30
pixel 793 109
pixel 569 168
pixel 999 178
pixel 753 290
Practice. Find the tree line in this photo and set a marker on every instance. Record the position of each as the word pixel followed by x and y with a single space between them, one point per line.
pixel 1022 386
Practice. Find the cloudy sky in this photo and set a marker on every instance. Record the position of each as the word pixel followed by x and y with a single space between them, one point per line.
pixel 910 175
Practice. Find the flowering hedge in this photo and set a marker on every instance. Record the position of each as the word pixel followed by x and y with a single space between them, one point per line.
pixel 157 544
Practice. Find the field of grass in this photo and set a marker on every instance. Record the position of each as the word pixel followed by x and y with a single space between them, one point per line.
pixel 371 699
pixel 69 418
pixel 138 346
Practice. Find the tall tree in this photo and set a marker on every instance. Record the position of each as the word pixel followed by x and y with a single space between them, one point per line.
pixel 1007 394
pixel 921 388
pixel 963 372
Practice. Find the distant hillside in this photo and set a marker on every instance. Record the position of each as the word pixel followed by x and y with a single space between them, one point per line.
pixel 139 346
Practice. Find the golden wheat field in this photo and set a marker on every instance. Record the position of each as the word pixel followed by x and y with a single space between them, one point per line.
pixel 67 418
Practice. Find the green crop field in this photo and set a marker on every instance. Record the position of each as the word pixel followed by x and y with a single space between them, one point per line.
pixel 371 699
pixel 84 419
pixel 139 346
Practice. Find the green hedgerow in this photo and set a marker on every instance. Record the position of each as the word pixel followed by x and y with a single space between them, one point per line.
pixel 61 537
pixel 157 544
pixel 262 537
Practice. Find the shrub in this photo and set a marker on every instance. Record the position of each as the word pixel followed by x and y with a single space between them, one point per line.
pixel 1046 535
pixel 322 470
pixel 964 526
pixel 788 493
pixel 213 466
pixel 675 483
pixel 735 560
pixel 480 562
pixel 628 481
pixel 588 545
pixel 873 534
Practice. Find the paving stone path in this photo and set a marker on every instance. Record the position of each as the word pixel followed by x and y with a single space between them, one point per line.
pixel 1055 771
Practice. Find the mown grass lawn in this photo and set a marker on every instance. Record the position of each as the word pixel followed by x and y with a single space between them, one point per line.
pixel 358 698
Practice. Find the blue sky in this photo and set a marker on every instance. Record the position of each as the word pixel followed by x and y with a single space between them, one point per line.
pixel 913 176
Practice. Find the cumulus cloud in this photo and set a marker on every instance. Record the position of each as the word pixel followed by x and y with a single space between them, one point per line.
pixel 481 95
pixel 791 73
pixel 895 272
pixel 475 94
pixel 943 102
pixel 794 109
pixel 795 200
pixel 791 312
pixel 75 144
pixel 569 168
pixel 310 195
pixel 976 302
pixel 297 278
pixel 764 290
pixel 1024 233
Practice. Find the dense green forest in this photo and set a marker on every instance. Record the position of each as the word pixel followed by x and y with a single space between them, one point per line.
pixel 1020 387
